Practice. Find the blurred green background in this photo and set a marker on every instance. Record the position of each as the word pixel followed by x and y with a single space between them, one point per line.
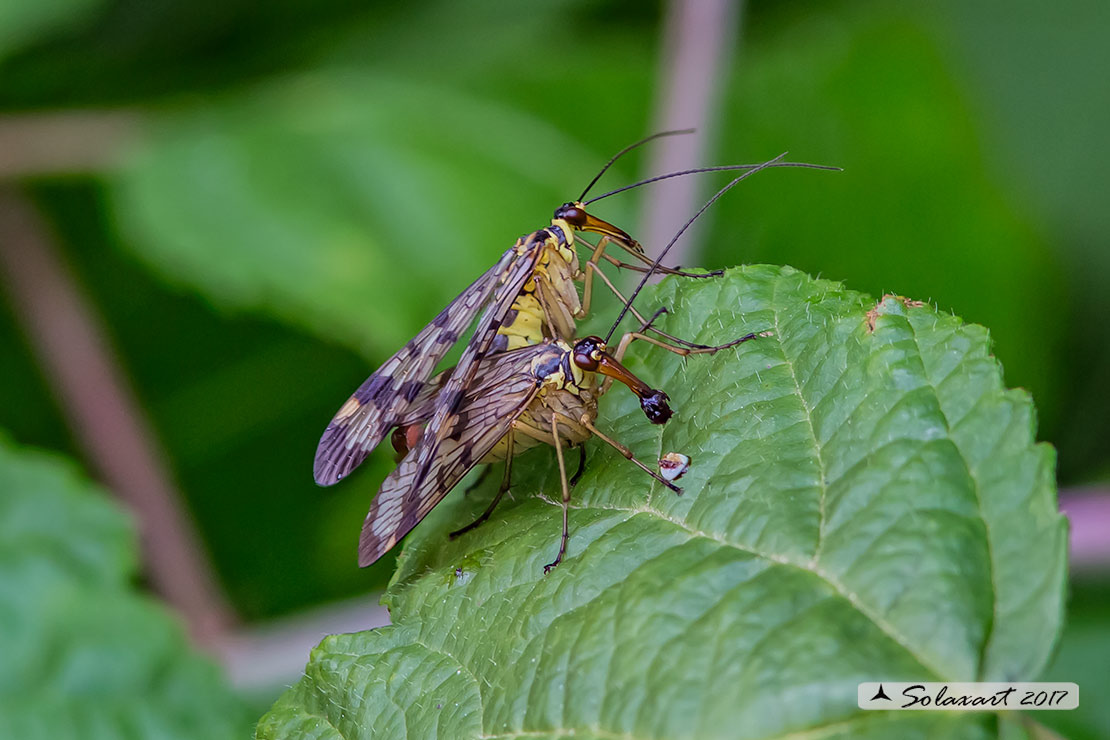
pixel 261 201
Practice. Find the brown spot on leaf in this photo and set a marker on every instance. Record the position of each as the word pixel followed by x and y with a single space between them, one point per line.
pixel 875 312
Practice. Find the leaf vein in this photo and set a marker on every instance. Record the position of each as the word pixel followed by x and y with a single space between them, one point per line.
pixel 977 487
pixel 809 422
pixel 808 566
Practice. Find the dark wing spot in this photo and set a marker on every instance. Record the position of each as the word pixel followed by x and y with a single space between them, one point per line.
pixel 460 425
pixel 500 343
pixel 441 477
pixel 410 389
pixel 447 337
pixel 452 400
pixel 374 388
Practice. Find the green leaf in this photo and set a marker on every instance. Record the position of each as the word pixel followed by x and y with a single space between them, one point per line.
pixel 84 654
pixel 863 504
pixel 315 198
pixel 1082 658
pixel 23 22
pixel 918 208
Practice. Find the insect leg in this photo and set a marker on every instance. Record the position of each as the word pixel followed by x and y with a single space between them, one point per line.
pixel 599 253
pixel 689 349
pixel 683 351
pixel 661 268
pixel 555 415
pixel 500 491
pixel 581 466
pixel 591 270
pixel 627 453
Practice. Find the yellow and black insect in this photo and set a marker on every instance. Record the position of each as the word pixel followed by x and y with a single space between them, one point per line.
pixel 530 294
pixel 538 394
pixel 543 393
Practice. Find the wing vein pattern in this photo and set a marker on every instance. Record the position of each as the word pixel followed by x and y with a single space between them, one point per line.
pixel 386 397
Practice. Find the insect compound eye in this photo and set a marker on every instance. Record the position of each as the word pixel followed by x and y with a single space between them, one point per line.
pixel 585 361
pixel 656 407
pixel 587 353
pixel 572 214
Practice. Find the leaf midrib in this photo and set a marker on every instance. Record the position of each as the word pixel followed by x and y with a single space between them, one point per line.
pixel 821 482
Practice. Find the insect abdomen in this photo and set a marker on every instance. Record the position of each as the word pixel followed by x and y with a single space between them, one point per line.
pixel 549 299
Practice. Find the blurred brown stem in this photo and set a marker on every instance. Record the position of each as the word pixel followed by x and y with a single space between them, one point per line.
pixel 698 44
pixel 106 420
pixel 1088 511
pixel 64 142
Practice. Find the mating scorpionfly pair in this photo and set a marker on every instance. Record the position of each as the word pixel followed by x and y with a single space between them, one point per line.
pixel 523 379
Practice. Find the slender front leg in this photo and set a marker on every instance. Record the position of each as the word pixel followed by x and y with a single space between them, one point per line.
pixel 581 466
pixel 604 241
pixel 660 268
pixel 566 491
pixel 500 491
pixel 593 270
pixel 683 351
pixel 628 454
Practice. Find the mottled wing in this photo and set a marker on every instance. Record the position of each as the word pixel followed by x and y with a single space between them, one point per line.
pixel 502 389
pixel 449 399
pixel 424 404
pixel 384 399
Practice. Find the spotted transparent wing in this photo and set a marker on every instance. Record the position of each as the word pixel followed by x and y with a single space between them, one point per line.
pixel 448 401
pixel 424 404
pixel 384 399
pixel 502 389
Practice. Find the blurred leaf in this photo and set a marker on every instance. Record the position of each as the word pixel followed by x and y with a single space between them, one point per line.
pixel 1046 113
pixel 1082 658
pixel 1018 726
pixel 24 22
pixel 1032 70
pixel 350 205
pixel 917 210
pixel 84 654
pixel 861 505
pixel 238 402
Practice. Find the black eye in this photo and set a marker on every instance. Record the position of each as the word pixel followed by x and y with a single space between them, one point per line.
pixel 585 361
pixel 572 214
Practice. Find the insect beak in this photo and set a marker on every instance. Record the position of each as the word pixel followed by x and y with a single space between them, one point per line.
pixel 598 226
pixel 653 402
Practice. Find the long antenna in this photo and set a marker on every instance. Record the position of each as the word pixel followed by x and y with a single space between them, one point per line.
pixel 628 304
pixel 629 148
pixel 720 168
